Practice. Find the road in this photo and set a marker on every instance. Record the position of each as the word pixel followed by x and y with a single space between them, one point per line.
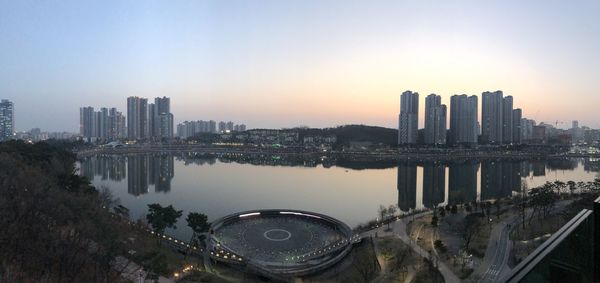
pixel 499 246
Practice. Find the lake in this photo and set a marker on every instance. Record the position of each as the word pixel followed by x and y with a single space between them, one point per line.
pixel 224 184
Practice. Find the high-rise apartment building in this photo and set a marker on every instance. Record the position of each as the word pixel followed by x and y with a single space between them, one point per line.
pixel 160 118
pixel 507 120
pixel 527 129
pixel 163 104
pixel 116 125
pixel 212 126
pixel 153 122
pixel 408 118
pixel 86 121
pixel 222 127
pixel 7 122
pixel 517 115
pixel 492 110
pixel 104 125
pixel 165 125
pixel 435 120
pixel 137 118
pixel 191 128
pixel 463 119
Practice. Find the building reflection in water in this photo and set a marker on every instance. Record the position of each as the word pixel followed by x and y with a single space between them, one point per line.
pixel 434 184
pixel 591 164
pixel 162 172
pixel 497 179
pixel 140 170
pixel 137 177
pixel 407 186
pixel 538 168
pixel 106 167
pixel 500 178
pixel 462 185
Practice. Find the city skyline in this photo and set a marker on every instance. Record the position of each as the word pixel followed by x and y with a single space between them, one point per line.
pixel 285 64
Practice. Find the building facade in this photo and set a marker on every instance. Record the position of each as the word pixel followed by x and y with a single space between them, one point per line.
pixel 86 121
pixel 463 119
pixel 104 125
pixel 507 120
pixel 517 131
pixel 492 110
pixel 137 118
pixel 7 121
pixel 435 120
pixel 408 118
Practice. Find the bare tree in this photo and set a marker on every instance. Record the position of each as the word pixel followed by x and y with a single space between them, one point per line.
pixel 469 229
pixel 366 264
pixel 382 212
pixel 524 189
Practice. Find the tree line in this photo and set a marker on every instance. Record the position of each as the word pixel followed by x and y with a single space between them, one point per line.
pixel 56 227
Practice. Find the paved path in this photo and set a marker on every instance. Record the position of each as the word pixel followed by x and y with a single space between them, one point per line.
pixel 398 229
pixel 495 261
pixel 497 252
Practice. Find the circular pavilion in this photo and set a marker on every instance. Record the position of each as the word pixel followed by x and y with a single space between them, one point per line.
pixel 279 242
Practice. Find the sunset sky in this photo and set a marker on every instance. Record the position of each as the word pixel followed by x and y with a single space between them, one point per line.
pixel 290 63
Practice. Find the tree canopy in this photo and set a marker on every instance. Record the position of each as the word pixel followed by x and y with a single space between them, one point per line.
pixel 198 222
pixel 160 217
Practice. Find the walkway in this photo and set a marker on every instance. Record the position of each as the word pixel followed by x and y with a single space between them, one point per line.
pixel 495 261
pixel 398 229
pixel 497 253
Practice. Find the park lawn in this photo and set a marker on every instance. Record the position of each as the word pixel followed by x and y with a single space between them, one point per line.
pixel 421 231
pixel 537 228
pixel 526 240
pixel 479 244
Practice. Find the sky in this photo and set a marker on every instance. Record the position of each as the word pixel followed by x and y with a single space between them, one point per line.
pixel 296 63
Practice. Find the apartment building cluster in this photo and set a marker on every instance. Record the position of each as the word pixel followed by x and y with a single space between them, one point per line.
pixel 144 121
pixel 191 128
pixel 149 121
pixel 107 124
pixel 501 123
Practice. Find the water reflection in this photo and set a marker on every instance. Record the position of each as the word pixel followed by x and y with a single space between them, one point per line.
pixel 462 185
pixel 434 184
pixel 592 164
pixel 112 168
pixel 161 172
pixel 142 171
pixel 497 179
pixel 407 186
pixel 350 190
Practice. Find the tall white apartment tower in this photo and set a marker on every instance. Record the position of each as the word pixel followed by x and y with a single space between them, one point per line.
pixel 435 120
pixel 408 118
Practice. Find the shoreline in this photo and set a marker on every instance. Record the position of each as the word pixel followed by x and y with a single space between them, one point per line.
pixel 309 153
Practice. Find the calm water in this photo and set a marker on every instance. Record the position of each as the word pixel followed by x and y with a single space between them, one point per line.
pixel 218 186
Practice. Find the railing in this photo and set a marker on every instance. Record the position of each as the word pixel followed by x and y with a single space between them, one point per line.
pixel 572 254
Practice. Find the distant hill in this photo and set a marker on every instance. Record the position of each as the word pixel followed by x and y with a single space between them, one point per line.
pixel 357 133
pixel 345 134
